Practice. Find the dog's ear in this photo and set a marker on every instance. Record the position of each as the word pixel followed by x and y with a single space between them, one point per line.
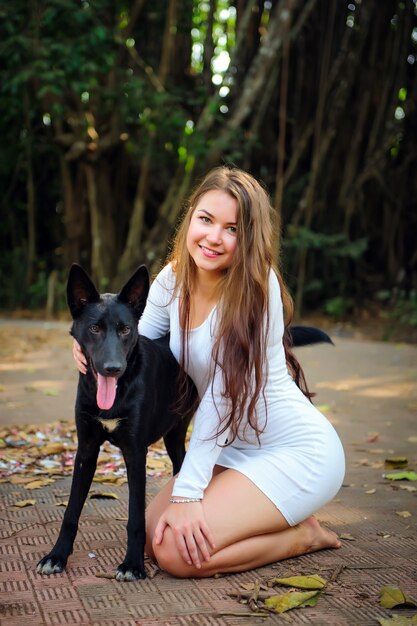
pixel 80 290
pixel 135 291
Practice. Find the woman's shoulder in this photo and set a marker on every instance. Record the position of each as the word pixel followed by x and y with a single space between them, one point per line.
pixel 163 287
pixel 166 277
pixel 273 282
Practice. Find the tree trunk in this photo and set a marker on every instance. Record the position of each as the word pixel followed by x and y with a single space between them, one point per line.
pixel 76 245
pixel 101 203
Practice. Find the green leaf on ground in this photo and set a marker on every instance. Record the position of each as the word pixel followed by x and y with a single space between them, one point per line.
pixel 51 392
pixel 301 582
pixel 393 596
pixel 401 476
pixel 292 600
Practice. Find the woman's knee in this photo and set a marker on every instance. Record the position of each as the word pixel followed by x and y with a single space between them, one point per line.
pixel 168 557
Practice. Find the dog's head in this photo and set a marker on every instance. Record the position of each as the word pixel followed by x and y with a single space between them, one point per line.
pixel 105 325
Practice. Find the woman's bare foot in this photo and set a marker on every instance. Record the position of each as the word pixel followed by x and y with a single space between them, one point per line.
pixel 317 537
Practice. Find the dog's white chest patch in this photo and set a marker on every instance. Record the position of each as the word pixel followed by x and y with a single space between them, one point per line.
pixel 110 425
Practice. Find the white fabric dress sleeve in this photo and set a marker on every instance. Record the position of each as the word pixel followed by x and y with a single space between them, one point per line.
pixel 155 320
pixel 204 447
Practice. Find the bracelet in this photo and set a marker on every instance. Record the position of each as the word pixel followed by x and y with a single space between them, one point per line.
pixel 185 501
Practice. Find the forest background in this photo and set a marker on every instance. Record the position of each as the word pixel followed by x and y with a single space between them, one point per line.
pixel 111 110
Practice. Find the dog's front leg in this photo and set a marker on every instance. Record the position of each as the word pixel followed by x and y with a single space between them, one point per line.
pixel 133 567
pixel 84 467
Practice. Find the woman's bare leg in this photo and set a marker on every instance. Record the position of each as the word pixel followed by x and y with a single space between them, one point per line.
pixel 248 529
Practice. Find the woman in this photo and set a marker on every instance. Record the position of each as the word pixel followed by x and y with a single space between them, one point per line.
pixel 261 459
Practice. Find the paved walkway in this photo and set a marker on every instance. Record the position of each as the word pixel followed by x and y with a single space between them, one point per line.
pixel 369 392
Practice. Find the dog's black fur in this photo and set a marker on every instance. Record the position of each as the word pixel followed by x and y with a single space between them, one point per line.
pixel 146 371
pixel 138 414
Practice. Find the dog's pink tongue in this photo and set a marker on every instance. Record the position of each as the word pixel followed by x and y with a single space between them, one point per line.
pixel 106 391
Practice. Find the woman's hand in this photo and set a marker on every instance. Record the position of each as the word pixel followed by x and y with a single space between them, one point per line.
pixel 79 357
pixel 190 531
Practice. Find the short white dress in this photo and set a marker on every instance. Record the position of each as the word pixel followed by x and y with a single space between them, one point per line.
pixel 298 462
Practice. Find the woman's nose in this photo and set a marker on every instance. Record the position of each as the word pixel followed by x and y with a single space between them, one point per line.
pixel 214 234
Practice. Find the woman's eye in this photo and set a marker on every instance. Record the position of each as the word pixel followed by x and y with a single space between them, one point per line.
pixel 232 229
pixel 94 329
pixel 125 330
pixel 205 219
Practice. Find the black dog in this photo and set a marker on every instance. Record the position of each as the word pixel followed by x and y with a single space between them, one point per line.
pixel 126 397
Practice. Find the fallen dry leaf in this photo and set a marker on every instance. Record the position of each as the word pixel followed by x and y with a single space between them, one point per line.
pixel 406 487
pixel 347 537
pixel 53 448
pixel 23 503
pixel 38 484
pixel 390 597
pixel 248 586
pixel 301 582
pixel 292 600
pixel 403 513
pixel 396 462
pixel 48 450
pixel 20 480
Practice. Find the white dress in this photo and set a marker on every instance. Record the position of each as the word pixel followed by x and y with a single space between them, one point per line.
pixel 298 461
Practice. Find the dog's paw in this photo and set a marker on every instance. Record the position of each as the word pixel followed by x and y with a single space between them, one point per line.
pixel 50 565
pixel 128 573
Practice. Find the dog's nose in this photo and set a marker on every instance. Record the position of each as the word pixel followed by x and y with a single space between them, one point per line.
pixel 112 369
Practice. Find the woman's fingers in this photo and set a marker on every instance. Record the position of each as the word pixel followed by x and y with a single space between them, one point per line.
pixel 192 545
pixel 184 547
pixel 159 531
pixel 79 357
pixel 191 534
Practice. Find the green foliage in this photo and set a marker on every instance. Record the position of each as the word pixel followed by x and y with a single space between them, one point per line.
pixel 13 280
pixel 332 254
pixel 401 306
pixel 331 245
pixel 12 273
pixel 83 98
pixel 338 307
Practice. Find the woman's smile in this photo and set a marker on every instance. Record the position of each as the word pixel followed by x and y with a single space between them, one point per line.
pixel 209 252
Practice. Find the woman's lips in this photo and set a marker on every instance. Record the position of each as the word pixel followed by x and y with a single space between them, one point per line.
pixel 208 252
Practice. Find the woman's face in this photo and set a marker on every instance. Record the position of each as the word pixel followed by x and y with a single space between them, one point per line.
pixel 211 237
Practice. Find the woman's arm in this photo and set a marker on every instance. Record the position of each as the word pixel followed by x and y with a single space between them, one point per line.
pixel 186 520
pixel 155 320
pixel 205 444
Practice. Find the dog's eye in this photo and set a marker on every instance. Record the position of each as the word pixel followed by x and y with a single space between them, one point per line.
pixel 124 330
pixel 94 329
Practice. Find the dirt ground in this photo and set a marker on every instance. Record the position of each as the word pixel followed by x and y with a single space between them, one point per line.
pixel 375 381
pixel 37 374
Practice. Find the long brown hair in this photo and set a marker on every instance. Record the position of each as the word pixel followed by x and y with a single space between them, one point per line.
pixel 243 320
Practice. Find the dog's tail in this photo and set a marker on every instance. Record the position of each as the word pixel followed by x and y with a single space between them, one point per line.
pixel 307 335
